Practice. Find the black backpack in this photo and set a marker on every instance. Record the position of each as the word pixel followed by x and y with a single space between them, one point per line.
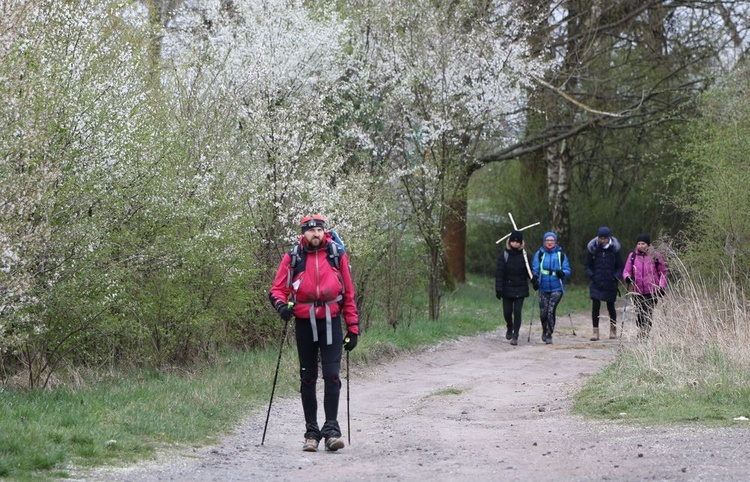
pixel 299 257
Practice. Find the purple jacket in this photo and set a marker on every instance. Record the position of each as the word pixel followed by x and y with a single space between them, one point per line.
pixel 647 271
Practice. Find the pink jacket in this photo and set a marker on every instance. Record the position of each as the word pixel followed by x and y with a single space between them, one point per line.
pixel 647 271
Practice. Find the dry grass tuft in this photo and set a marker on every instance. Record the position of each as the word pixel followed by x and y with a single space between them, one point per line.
pixel 701 333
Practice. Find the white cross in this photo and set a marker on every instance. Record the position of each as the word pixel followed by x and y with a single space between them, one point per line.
pixel 515 228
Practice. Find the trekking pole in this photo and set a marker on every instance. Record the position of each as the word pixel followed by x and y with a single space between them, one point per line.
pixel 531 317
pixel 348 413
pixel 275 376
pixel 624 311
pixel 569 318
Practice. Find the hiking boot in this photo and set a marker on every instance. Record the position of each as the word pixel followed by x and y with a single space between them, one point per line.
pixel 514 341
pixel 612 332
pixel 548 341
pixel 334 443
pixel 596 334
pixel 508 333
pixel 310 445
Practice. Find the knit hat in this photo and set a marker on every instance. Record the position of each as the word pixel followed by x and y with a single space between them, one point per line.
pixel 312 221
pixel 603 232
pixel 646 238
pixel 549 234
pixel 516 236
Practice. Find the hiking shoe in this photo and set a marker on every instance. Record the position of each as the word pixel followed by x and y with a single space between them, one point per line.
pixel 548 341
pixel 334 443
pixel 310 445
pixel 508 334
pixel 514 341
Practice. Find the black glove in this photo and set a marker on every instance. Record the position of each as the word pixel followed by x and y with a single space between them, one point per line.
pixel 284 311
pixel 499 295
pixel 350 342
pixel 627 280
pixel 560 273
pixel 535 283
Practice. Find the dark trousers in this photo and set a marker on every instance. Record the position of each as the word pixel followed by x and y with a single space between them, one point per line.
pixel 596 307
pixel 512 308
pixel 644 311
pixel 330 362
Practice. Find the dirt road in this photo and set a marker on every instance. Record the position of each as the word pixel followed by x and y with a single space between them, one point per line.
pixel 476 409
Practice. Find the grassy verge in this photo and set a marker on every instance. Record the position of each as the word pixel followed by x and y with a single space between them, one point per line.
pixel 694 366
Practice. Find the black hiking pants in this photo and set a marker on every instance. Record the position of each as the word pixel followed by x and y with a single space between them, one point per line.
pixel 644 311
pixel 512 308
pixel 596 307
pixel 330 363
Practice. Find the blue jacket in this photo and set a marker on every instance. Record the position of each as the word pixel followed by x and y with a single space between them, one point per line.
pixel 546 263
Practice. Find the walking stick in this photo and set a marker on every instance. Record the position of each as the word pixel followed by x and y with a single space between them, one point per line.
pixel 348 413
pixel 275 376
pixel 624 311
pixel 569 318
pixel 531 317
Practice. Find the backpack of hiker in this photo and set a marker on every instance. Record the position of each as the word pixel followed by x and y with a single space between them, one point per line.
pixel 335 250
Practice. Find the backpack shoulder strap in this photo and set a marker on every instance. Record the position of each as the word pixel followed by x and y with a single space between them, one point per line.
pixel 334 255
pixel 296 263
pixel 298 256
pixel 505 255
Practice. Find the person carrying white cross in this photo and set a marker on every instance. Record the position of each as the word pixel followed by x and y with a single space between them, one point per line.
pixel 512 283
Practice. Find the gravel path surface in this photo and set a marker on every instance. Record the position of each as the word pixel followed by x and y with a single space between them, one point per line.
pixel 476 409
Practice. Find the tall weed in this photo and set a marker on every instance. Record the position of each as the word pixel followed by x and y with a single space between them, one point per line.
pixel 693 366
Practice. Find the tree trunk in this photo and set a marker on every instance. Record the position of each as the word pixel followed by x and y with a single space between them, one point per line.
pixel 559 167
pixel 436 270
pixel 454 239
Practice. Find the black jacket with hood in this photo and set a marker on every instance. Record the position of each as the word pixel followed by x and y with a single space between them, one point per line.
pixel 511 276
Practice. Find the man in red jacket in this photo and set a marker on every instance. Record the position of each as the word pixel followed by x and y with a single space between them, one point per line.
pixel 314 285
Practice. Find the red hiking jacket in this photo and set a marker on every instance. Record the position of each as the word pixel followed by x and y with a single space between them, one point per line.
pixel 318 282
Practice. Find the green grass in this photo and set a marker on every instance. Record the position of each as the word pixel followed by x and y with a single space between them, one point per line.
pixel 128 418
pixel 693 368
pixel 626 390
pixel 445 391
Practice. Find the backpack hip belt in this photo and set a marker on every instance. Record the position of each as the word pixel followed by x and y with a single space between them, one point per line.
pixel 314 321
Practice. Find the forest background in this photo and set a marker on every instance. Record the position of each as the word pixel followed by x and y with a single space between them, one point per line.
pixel 156 156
